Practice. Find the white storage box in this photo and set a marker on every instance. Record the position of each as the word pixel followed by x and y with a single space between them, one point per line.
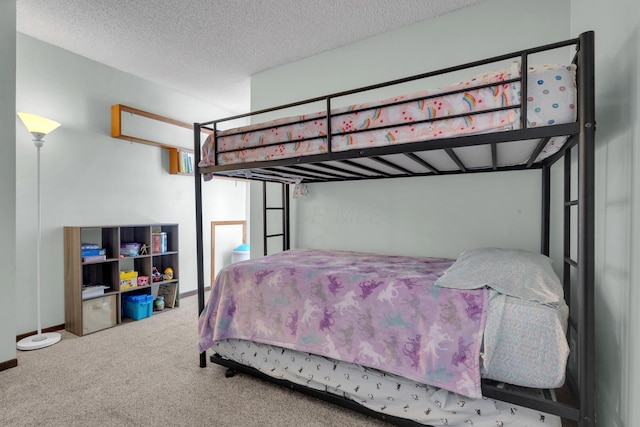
pixel 241 253
pixel 98 314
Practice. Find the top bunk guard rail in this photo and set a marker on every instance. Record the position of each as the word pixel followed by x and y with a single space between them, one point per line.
pixel 520 54
pixel 387 104
pixel 523 133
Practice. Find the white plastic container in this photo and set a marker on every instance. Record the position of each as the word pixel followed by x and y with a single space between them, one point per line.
pixel 241 253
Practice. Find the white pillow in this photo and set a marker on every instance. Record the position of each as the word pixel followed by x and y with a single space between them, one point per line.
pixel 513 272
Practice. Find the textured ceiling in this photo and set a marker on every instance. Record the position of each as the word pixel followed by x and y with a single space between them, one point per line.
pixel 209 48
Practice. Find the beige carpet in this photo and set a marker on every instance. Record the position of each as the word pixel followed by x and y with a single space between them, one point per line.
pixel 146 373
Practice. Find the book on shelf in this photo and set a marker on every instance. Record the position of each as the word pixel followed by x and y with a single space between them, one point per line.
pixel 186 162
pixel 94 258
pixel 90 291
pixel 170 293
pixel 94 252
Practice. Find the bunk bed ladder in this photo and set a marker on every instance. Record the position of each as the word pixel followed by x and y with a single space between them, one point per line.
pixel 268 211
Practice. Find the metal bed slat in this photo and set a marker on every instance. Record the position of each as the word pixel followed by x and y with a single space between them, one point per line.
pixel 570 143
pixel 392 165
pixel 543 143
pixel 367 168
pixel 494 155
pixel 422 162
pixel 455 159
pixel 311 172
pixel 283 173
pixel 346 172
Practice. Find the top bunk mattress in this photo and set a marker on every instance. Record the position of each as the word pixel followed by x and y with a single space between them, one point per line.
pixel 488 102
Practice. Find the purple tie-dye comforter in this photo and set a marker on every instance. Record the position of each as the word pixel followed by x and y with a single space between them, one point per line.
pixel 377 311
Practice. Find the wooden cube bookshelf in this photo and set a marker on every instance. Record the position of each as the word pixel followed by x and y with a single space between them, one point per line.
pixel 102 311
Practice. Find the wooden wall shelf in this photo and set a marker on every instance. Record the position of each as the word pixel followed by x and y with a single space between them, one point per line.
pixel 181 161
pixel 116 126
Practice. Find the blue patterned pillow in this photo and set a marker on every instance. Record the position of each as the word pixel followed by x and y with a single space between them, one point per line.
pixel 513 272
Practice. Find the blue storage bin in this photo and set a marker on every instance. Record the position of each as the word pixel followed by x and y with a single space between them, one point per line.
pixel 137 306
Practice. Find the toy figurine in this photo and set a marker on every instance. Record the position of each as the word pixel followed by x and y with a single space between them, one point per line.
pixel 157 277
pixel 168 273
pixel 143 249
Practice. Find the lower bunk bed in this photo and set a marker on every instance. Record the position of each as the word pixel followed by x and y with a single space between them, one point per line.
pixel 404 339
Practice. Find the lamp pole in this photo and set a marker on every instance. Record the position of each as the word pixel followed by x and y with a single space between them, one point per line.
pixel 38 143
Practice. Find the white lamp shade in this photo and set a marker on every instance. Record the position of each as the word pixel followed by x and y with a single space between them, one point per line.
pixel 38 126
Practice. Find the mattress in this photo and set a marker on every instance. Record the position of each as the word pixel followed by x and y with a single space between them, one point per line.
pixel 525 342
pixel 484 103
pixel 522 342
pixel 382 392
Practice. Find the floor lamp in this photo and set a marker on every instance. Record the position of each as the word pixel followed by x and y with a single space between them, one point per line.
pixel 39 127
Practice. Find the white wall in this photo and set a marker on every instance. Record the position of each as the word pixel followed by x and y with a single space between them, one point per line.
pixel 416 216
pixel 398 217
pixel 7 177
pixel 89 178
pixel 617 28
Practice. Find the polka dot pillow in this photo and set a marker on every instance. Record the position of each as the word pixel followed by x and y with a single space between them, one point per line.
pixel 551 94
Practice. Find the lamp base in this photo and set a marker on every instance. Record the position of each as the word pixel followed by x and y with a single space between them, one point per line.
pixel 35 342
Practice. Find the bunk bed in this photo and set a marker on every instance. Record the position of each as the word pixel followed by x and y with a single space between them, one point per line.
pixel 393 138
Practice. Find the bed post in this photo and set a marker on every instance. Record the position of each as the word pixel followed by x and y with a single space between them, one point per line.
pixel 264 218
pixel 286 219
pixel 199 246
pixel 546 210
pixel 586 227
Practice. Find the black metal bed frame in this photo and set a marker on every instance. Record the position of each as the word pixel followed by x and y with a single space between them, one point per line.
pixel 313 168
